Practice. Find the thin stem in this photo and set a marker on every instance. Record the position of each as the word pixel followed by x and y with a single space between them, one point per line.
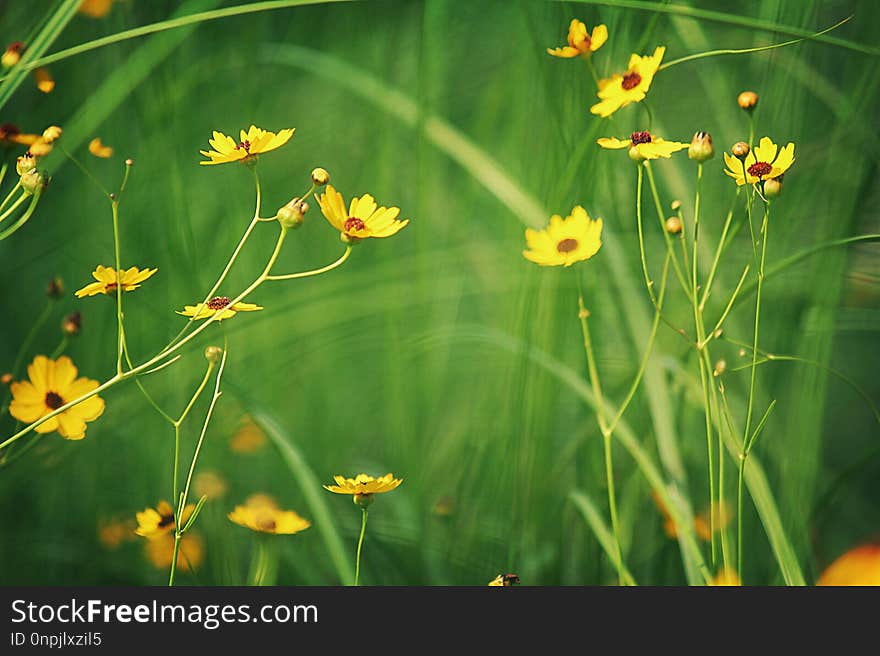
pixel 313 272
pixel 718 251
pixel 119 321
pixel 24 218
pixel 177 423
pixel 729 306
pixel 648 283
pixel 9 211
pixel 11 193
pixel 669 245
pixel 62 346
pixel 357 564
pixel 174 554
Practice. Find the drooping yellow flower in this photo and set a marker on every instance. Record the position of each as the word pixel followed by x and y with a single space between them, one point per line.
pixel 726 577
pixel 632 86
pixel 504 581
pixel 99 149
pixel 44 80
pixel 51 385
pixel 95 8
pixel 363 218
pixel 250 144
pixel 565 241
pixel 643 145
pixel 153 522
pixel 764 162
pixel 108 280
pixel 219 305
pixel 580 41
pixel 260 513
pixel 191 551
pixel 363 486
pixel 859 566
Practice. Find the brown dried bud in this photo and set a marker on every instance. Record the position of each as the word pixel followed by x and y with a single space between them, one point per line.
pixel 72 324
pixel 740 150
pixel 55 288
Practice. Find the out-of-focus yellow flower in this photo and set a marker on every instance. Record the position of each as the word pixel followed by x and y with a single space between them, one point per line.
pixel 248 439
pixel 702 522
pixel 260 513
pixel 632 86
pixel 764 162
pixel 645 145
pixel 726 576
pixel 191 551
pixel 153 522
pixel 219 305
pixel 108 280
pixel 95 8
pixel 859 566
pixel 51 385
pixel 504 581
pixel 210 484
pixel 44 80
pixel 670 528
pixel 11 134
pixel 99 149
pixel 12 54
pixel 250 144
pixel 113 532
pixel 565 241
pixel 580 41
pixel 363 218
pixel 444 506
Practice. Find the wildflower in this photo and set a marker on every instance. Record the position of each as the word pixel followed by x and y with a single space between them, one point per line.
pixel 213 354
pixel 55 288
pixel 33 181
pixel 670 528
pixel 12 55
pixel 362 487
pixel 701 148
pixel 773 187
pixel 702 521
pixel 858 566
pixel 740 150
pixel 765 162
pixel 98 149
pixel 643 145
pixel 25 163
pixel 95 8
pixel 565 241
pixel 726 576
pixel 248 439
pixel 504 581
pixel 292 214
pixel 580 41
pixel 748 100
pixel 112 533
pixel 6 378
pixel 10 134
pixel 251 143
pixel 260 513
pixel 51 385
pixel 72 324
pixel 620 90
pixel 219 305
pixel 363 218
pixel 43 79
pixel 320 177
pixel 153 522
pixel 210 484
pixel 108 280
pixel 191 551
pixel 673 225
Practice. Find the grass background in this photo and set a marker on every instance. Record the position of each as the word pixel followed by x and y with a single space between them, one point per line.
pixel 442 354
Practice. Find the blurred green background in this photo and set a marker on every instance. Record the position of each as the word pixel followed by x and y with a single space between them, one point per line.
pixel 441 354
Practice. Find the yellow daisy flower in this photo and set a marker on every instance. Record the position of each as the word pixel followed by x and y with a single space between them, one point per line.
pixel 504 581
pixel 153 522
pixel 362 219
pixel 764 162
pixel 191 551
pixel 95 8
pixel 108 280
pixel 44 80
pixel 250 144
pixel 10 134
pixel 260 513
pixel 565 241
pixel 644 145
pixel 52 384
pixel 221 305
pixel 581 42
pixel 859 566
pixel 363 486
pixel 620 90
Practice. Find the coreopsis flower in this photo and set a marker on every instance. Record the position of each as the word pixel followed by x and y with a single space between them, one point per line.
pixel 44 80
pixel 113 533
pixel 210 484
pixel 747 100
pixel 363 486
pixel 108 280
pixel 248 439
pixel 859 566
pixel 51 385
pixel 222 306
pixel 10 134
pixel 703 521
pixel 565 241
pixel 763 162
pixel 190 551
pixel 362 219
pixel 250 144
pixel 99 149
pixel 620 90
pixel 726 577
pixel 643 145
pixel 580 41
pixel 260 513
pixel 504 581
pixel 95 8
pixel 153 522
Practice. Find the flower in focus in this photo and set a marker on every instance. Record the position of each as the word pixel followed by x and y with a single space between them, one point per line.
pixel 95 8
pixel 363 218
pixel 219 305
pixel 726 576
pixel 43 79
pixel 108 280
pixel 191 551
pixel 643 145
pixel 99 149
pixel 153 522
pixel 248 439
pixel 53 384
pixel 763 162
pixel 260 513
pixel 580 41
pixel 250 144
pixel 504 581
pixel 363 486
pixel 859 566
pixel 565 241
pixel 112 533
pixel 210 484
pixel 632 86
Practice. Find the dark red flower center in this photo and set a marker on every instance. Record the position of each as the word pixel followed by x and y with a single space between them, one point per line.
pixel 218 302
pixel 582 45
pixel 640 137
pixel 354 224
pixel 567 245
pixel 165 520
pixel 53 401
pixel 266 524
pixel 244 145
pixel 631 80
pixel 759 169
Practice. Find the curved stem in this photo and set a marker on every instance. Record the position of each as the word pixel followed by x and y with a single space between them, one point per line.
pixel 120 339
pixel 313 272
pixel 357 564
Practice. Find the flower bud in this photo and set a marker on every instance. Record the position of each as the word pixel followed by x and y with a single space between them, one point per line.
pixel 52 133
pixel 720 367
pixel 748 100
pixel 72 324
pixel 12 55
pixel 635 155
pixel 701 147
pixel 291 215
pixel 33 181
pixel 675 205
pixel 25 163
pixel 673 225
pixel 6 378
pixel 740 150
pixel 362 500
pixel 213 354
pixel 129 162
pixel 772 187
pixel 320 176
pixel 55 288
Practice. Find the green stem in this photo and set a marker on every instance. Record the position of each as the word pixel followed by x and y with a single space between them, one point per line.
pixel 174 555
pixel 114 204
pixel 11 193
pixel 718 251
pixel 669 245
pixel 9 211
pixel 357 564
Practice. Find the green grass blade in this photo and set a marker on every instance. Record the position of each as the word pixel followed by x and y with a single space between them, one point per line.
pixel 603 534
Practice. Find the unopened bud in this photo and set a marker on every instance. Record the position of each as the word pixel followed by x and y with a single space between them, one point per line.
pixel 362 500
pixel 748 100
pixel 742 353
pixel 213 354
pixel 72 324
pixel 291 215
pixel 129 162
pixel 55 288
pixel 25 163
pixel 772 187
pixel 675 205
pixel 33 181
pixel 635 155
pixel 740 150
pixel 673 225
pixel 320 176
pixel 701 148
pixel 720 367
pixel 6 378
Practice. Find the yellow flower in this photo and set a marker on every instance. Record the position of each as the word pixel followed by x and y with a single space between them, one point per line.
pixel 363 218
pixel 859 566
pixel 260 513
pixel 504 581
pixel 95 8
pixel 764 162
pixel 581 42
pixel 108 280
pixel 209 484
pixel 703 521
pixel 221 305
pixel 11 134
pixel 153 522
pixel 363 486
pixel 52 384
pixel 44 81
pixel 249 438
pixel 726 576
pixel 191 551
pixel 112 533
pixel 99 149
pixel 645 145
pixel 250 144
pixel 12 55
pixel 620 90
pixel 565 241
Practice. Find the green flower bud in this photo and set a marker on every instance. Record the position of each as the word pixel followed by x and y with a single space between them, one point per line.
pixel 701 147
pixel 291 215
